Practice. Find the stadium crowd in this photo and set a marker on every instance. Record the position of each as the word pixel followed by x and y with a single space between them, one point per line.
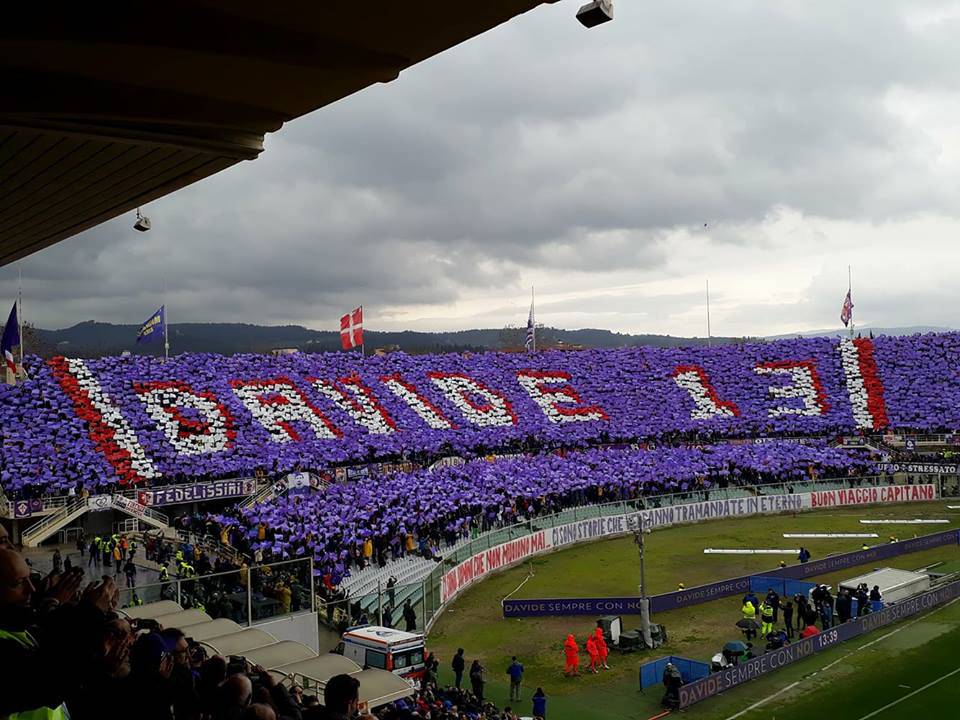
pixel 354 524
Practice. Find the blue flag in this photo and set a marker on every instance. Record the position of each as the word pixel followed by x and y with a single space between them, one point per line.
pixel 153 328
pixel 11 338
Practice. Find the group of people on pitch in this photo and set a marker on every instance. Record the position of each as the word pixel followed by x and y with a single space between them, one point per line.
pixel 596 646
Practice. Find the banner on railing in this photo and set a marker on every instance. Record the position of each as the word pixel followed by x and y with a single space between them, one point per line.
pixel 776 659
pixel 201 492
pixel 478 566
pixel 918 468
pixel 488 561
pixel 26 508
pixel 129 506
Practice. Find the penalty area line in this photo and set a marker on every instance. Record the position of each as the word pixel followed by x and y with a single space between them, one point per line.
pixel 911 694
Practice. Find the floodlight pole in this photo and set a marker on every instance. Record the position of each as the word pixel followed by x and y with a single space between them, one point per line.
pixel 644 602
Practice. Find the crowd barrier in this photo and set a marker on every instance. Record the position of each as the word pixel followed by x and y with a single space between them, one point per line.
pixel 719 682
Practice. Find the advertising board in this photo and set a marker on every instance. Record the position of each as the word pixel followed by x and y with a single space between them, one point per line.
pixel 775 659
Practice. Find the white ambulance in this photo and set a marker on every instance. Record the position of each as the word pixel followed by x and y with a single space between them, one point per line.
pixel 396 651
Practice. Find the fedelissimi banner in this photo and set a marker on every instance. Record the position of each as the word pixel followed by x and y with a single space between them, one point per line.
pixel 546 539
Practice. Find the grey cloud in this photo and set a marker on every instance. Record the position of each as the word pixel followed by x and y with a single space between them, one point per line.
pixel 538 146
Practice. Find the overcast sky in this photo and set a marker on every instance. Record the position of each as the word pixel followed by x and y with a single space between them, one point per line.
pixel 761 145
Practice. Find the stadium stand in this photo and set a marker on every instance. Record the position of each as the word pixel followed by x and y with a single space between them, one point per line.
pixel 368 522
pixel 104 423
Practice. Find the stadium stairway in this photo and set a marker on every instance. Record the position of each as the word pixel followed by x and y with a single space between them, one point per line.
pixel 40 531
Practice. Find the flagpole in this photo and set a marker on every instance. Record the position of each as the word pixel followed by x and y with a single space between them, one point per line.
pixel 709 343
pixel 533 312
pixel 849 294
pixel 20 314
pixel 166 324
pixel 363 343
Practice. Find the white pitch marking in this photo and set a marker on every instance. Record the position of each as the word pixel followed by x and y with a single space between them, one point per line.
pixel 953 507
pixel 902 522
pixel 767 699
pixel 911 694
pixel 742 551
pixel 830 535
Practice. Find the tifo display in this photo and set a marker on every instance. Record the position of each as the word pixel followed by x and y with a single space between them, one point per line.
pixel 133 419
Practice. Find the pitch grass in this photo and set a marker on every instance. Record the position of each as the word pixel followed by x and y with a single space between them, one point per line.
pixel 902 671
pixel 611 568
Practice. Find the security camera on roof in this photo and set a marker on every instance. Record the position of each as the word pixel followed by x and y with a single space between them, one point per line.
pixel 595 13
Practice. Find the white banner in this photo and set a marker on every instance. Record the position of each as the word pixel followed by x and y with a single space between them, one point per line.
pixel 128 505
pixel 484 563
pixel 501 556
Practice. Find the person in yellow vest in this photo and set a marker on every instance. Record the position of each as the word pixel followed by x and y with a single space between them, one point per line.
pixel 261 532
pixel 749 612
pixel 286 597
pixel 367 549
pixel 681 586
pixel 117 557
pixel 26 684
pixel 865 547
pixel 164 574
pixel 766 619
pixel 411 544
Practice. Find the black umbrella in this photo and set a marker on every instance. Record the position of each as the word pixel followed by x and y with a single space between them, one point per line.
pixel 748 624
pixel 735 646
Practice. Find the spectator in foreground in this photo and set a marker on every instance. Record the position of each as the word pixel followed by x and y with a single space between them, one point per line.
pixel 540 704
pixel 5 543
pixel 341 698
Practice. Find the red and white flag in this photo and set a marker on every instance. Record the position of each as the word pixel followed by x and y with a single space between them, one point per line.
pixel 351 329
pixel 847 312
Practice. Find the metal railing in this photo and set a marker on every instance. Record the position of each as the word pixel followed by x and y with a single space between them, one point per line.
pixel 238 595
pixel 64 514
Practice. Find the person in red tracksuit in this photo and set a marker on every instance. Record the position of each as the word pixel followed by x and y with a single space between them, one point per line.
pixel 601 647
pixel 593 652
pixel 572 652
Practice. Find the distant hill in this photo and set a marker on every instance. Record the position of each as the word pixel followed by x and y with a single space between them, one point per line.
pixel 895 331
pixel 93 339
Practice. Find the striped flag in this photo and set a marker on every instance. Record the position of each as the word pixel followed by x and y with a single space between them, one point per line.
pixel 847 312
pixel 531 342
pixel 11 339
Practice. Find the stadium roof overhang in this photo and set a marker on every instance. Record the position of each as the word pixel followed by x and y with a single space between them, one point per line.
pixel 107 106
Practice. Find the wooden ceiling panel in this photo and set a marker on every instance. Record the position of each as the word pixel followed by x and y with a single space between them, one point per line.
pixel 106 106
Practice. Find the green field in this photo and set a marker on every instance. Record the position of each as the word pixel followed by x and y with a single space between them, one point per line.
pixel 674 555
